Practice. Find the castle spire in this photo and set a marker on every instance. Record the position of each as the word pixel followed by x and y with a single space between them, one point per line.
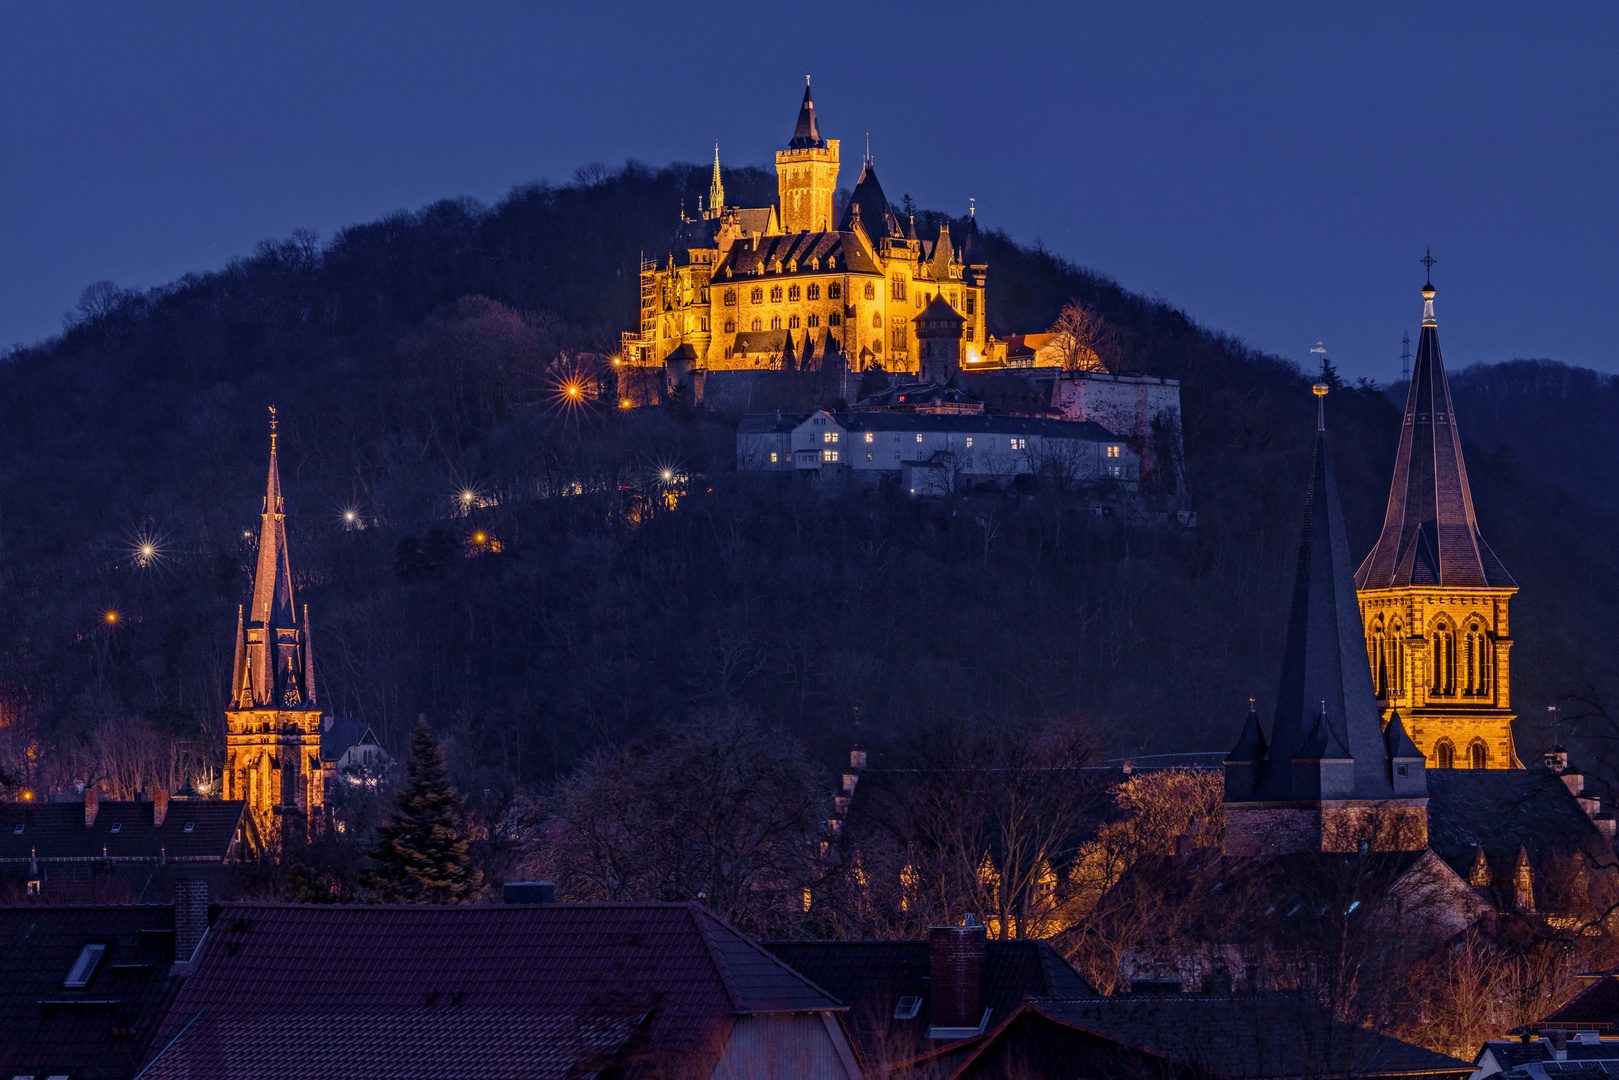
pixel 716 190
pixel 1430 535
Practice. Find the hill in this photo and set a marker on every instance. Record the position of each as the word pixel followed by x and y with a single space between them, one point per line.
pixel 415 358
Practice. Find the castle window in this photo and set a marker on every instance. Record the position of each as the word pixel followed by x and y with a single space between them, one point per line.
pixel 775 294
pixel 897 286
pixel 871 291
pixel 814 321
pixel 969 333
pixel 877 323
pixel 832 263
pixel 972 304
pixel 775 322
pixel 897 331
pixel 834 319
pixel 834 291
pixel 792 295
pixel 702 324
pixel 1444 661
pixel 813 292
pixel 730 326
pixel 1445 754
pixel 792 323
pixel 1477 755
pixel 730 297
pixel 757 296
pixel 876 344
pixel 729 352
pixel 758 325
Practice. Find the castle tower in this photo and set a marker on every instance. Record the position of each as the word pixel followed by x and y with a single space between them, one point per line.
pixel 938 339
pixel 1433 596
pixel 272 725
pixel 1331 776
pixel 807 174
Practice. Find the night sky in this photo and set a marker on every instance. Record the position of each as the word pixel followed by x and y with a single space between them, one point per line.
pixel 1275 170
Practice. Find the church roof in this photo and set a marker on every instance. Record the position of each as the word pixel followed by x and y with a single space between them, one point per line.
pixel 1326 706
pixel 1430 535
pixel 1503 811
pixel 877 218
pixel 807 133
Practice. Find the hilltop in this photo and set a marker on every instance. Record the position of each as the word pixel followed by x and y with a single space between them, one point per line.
pixel 415 358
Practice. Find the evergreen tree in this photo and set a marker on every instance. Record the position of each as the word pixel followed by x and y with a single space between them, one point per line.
pixel 421 853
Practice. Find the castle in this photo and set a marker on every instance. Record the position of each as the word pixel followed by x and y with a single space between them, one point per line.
pixel 785 289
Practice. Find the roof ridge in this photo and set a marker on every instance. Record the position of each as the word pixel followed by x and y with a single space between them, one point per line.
pixel 696 910
pixel 758 947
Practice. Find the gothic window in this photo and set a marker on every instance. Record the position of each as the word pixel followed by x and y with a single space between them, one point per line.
pixel 775 294
pixel 1444 661
pixel 792 323
pixel 972 303
pixel 1445 754
pixel 871 291
pixel 758 325
pixel 814 321
pixel 876 344
pixel 1399 660
pixel 813 292
pixel 834 291
pixel 876 321
pixel 969 332
pixel 1477 755
pixel 898 287
pixel 702 323
pixel 897 331
pixel 730 297
pixel 1380 664
pixel 728 352
pixel 834 319
pixel 757 296
pixel 775 322
pixel 730 326
pixel 919 301
pixel 792 294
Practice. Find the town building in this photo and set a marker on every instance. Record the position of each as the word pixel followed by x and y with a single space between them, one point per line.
pixel 1433 596
pixel 796 288
pixel 938 451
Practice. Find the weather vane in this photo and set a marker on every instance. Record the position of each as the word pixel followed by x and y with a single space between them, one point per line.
pixel 1428 260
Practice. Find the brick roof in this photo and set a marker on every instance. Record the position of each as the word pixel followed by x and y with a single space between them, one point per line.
pixel 374 991
pixel 122 830
pixel 38 948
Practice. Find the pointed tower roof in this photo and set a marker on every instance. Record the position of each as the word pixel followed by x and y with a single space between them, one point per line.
pixel 807 134
pixel 1326 707
pixel 871 206
pixel 272 581
pixel 716 190
pixel 1430 536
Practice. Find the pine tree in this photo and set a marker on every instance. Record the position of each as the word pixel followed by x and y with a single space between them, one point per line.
pixel 421 853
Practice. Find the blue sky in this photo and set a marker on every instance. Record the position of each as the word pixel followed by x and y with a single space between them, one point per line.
pixel 1276 170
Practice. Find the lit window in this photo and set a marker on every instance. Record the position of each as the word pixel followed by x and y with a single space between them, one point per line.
pixel 868 455
pixel 834 291
pixel 814 321
pixel 813 292
pixel 1020 444
pixel 772 457
pixel 830 436
pixel 1113 451
pixel 870 437
pixel 84 968
pixel 829 455
pixel 834 319
pixel 969 441
pixel 918 436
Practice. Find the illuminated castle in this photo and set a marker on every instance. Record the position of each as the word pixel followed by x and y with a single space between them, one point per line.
pixel 273 725
pixel 1433 596
pixel 784 287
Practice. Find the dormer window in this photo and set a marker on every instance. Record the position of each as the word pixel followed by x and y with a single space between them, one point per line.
pixel 831 262
pixel 792 266
pixel 84 968
pixel 815 264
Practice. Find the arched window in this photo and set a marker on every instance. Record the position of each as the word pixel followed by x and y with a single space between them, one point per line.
pixel 812 292
pixel 775 322
pixel 1486 661
pixel 814 321
pixel 1399 659
pixel 792 323
pixel 834 291
pixel 1477 754
pixel 1380 660
pixel 702 324
pixel 876 321
pixel 871 291
pixel 730 297
pixel 1445 755
pixel 775 294
pixel 1444 660
pixel 757 296
pixel 834 319
pixel 730 326
pixel 792 294
pixel 1470 675
pixel 877 345
pixel 758 325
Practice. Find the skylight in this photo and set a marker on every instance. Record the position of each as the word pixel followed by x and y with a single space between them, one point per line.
pixel 908 1007
pixel 190 825
pixel 84 968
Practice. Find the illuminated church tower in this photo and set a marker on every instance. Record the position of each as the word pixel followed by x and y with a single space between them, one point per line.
pixel 1433 596
pixel 272 739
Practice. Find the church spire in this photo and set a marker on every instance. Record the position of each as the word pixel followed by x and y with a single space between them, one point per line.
pixel 807 133
pixel 716 190
pixel 275 653
pixel 1430 535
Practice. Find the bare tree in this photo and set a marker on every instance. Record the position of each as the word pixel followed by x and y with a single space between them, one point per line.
pixel 1083 338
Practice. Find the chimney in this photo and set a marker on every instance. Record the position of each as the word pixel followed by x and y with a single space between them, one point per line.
pixel 955 956
pixel 92 803
pixel 190 918
pixel 857 759
pixel 1573 779
pixel 160 807
pixel 528 892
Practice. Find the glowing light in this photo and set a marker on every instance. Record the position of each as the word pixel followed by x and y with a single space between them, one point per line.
pixel 573 390
pixel 668 474
pixel 467 497
pixel 111 617
pixel 348 515
pixel 26 795
pixel 246 535
pixel 147 549
pixel 479 537
pixel 625 404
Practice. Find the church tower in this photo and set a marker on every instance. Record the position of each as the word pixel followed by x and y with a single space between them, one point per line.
pixel 807 174
pixel 1433 596
pixel 273 725
pixel 1331 776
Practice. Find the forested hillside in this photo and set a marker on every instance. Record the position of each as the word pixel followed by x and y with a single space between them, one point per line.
pixel 416 358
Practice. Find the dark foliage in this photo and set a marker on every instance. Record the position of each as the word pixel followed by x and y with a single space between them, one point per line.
pixel 421 852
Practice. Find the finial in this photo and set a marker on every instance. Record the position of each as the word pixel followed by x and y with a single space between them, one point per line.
pixel 1427 261
pixel 868 148
pixel 1320 391
pixel 272 429
pixel 972 207
pixel 806 80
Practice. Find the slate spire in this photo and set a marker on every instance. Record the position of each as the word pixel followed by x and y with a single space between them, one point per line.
pixel 274 654
pixel 807 133
pixel 1430 535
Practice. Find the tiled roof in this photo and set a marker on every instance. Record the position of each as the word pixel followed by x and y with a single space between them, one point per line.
pixel 122 830
pixel 344 733
pixel 482 982
pixel 1249 1036
pixel 1596 1008
pixel 38 948
pixel 1573 1069
pixel 871 976
pixel 763 252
